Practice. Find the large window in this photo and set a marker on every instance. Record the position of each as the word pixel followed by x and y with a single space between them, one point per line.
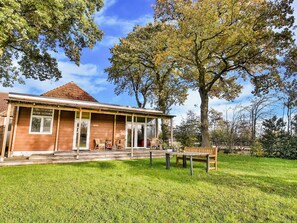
pixel 41 121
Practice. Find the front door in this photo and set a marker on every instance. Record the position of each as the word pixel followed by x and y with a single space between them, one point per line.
pixel 84 134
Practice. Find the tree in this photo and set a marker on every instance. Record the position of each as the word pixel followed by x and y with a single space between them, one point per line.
pixel 294 125
pixel 219 43
pixel 215 117
pixel 29 29
pixel 289 85
pixel 274 136
pixel 217 127
pixel 188 132
pixel 140 65
pixel 259 108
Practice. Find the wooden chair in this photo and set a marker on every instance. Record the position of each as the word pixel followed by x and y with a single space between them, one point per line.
pixel 120 144
pixel 156 144
pixel 213 156
pixel 99 144
pixel 108 144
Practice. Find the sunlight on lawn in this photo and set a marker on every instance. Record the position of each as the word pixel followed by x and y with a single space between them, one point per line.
pixel 244 189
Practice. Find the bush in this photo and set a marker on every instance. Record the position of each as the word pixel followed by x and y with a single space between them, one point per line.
pixel 276 141
pixel 257 149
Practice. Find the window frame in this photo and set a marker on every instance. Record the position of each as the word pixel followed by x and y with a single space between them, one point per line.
pixel 41 123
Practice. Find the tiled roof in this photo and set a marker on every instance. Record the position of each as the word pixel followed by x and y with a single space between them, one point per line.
pixel 3 102
pixel 70 91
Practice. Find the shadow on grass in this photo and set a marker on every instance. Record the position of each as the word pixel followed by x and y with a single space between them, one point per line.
pixel 227 175
pixel 266 184
pixel 94 164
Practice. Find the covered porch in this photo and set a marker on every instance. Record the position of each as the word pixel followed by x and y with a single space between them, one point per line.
pixel 134 127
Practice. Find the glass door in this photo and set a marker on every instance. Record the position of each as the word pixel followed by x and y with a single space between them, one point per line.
pixel 84 134
pixel 139 133
pixel 138 139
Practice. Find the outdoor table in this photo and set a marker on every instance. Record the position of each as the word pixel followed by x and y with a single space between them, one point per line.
pixel 185 155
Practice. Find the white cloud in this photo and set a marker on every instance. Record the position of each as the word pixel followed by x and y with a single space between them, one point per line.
pixel 60 55
pixel 68 68
pixel 108 41
pixel 123 25
pixel 193 103
pixel 86 76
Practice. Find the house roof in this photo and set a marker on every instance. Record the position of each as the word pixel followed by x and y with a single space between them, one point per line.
pixel 70 103
pixel 70 91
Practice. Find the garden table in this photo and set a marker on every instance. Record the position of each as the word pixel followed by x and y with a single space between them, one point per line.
pixel 185 155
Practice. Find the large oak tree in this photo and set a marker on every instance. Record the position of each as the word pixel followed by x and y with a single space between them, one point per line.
pixel 29 29
pixel 141 66
pixel 220 43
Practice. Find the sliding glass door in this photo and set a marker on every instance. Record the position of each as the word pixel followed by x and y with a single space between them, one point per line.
pixel 139 135
pixel 143 130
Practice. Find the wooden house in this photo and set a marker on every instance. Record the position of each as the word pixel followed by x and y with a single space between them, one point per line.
pixel 67 118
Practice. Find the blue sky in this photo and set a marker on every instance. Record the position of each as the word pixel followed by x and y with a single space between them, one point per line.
pixel 117 18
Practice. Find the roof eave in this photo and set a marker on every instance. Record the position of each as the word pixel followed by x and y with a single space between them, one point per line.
pixel 42 100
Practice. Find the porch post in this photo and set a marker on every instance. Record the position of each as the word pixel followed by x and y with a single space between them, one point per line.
pixel 132 135
pixel 78 134
pixel 157 128
pixel 13 132
pixel 114 129
pixel 57 131
pixel 5 133
pixel 171 135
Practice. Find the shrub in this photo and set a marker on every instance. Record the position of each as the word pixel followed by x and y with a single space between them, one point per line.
pixel 257 149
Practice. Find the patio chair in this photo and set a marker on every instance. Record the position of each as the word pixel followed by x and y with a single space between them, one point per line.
pixel 99 144
pixel 156 144
pixel 120 144
pixel 108 144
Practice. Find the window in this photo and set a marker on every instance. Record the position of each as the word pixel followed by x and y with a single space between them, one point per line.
pixel 41 121
pixel 85 115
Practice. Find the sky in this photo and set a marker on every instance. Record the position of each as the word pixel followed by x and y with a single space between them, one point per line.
pixel 117 18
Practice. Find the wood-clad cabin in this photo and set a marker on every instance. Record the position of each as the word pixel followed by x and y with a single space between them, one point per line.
pixel 67 118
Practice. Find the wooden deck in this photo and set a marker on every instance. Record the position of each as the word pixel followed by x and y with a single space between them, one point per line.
pixel 84 156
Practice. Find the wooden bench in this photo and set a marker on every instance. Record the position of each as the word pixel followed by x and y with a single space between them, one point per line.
pixel 213 156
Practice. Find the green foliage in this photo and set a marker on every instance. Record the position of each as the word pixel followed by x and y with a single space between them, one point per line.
pixel 244 189
pixel 257 149
pixel 29 29
pixel 140 66
pixel 219 42
pixel 276 141
pixel 188 132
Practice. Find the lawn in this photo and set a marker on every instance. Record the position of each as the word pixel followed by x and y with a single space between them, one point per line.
pixel 244 189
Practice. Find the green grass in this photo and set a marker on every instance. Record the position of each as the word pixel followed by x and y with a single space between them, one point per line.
pixel 244 189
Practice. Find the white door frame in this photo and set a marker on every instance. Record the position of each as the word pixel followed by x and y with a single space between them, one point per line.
pixel 135 133
pixel 76 121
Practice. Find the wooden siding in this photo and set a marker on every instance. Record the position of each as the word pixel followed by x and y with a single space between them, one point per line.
pixel 66 133
pixel 120 127
pixel 32 142
pixel 102 128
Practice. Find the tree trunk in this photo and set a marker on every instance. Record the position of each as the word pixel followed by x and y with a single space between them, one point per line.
pixel 165 131
pixel 204 117
pixel 254 122
pixel 164 124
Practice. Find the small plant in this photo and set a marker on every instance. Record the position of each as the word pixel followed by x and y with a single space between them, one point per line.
pixel 257 149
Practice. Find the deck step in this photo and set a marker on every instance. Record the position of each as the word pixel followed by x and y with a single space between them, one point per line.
pixel 93 156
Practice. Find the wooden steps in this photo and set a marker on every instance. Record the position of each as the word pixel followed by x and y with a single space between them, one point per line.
pixel 84 156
